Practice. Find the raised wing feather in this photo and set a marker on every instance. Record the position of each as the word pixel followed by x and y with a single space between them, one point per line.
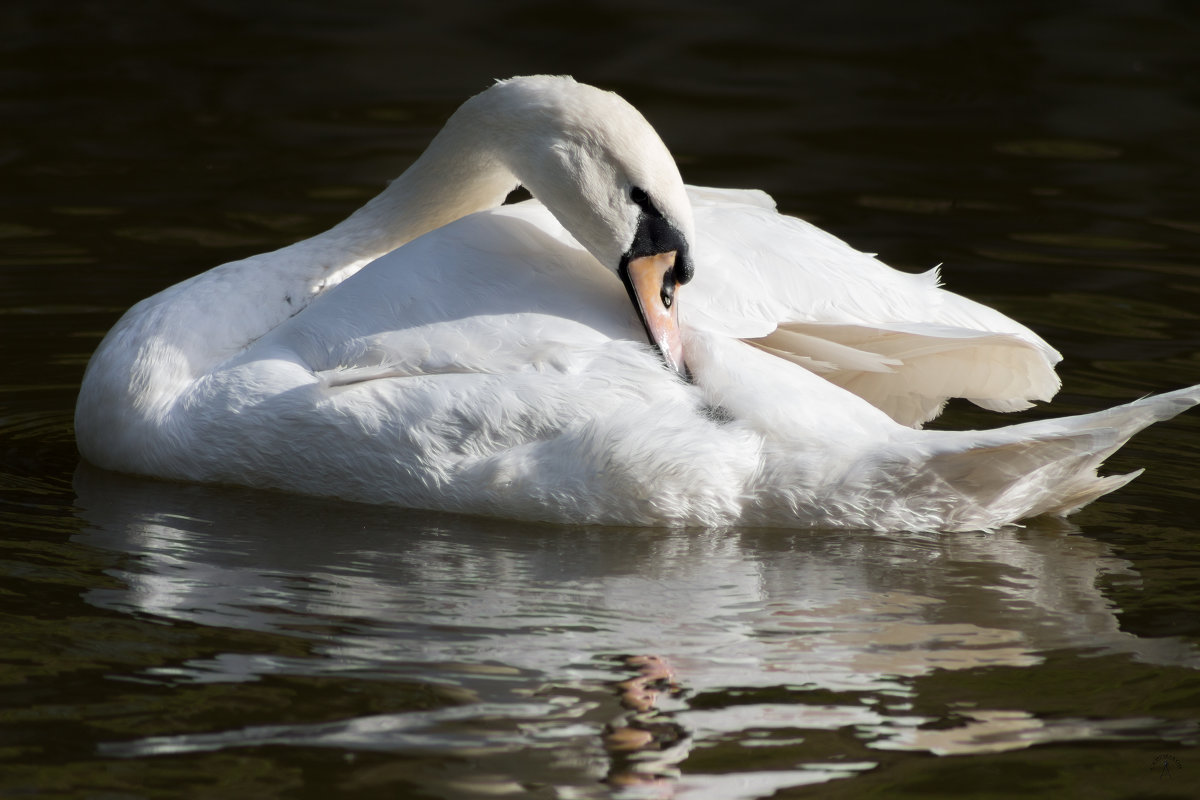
pixel 896 339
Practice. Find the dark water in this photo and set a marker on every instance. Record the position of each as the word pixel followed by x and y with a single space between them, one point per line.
pixel 176 641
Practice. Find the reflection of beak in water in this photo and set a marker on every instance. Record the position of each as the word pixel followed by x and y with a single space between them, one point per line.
pixel 646 743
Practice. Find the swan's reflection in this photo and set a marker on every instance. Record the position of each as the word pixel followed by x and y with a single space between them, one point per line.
pixel 529 623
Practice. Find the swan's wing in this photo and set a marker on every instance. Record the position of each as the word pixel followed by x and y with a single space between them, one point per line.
pixel 896 339
pixel 492 366
pixel 496 292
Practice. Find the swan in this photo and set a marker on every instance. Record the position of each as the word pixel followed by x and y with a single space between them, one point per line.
pixel 620 349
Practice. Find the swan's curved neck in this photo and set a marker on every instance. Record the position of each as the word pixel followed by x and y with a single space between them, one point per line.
pixel 459 173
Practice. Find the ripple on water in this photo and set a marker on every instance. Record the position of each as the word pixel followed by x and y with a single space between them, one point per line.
pixel 252 644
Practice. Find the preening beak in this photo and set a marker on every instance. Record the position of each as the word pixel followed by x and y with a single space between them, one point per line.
pixel 654 289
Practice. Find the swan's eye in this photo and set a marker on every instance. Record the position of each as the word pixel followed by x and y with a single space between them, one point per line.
pixel 638 195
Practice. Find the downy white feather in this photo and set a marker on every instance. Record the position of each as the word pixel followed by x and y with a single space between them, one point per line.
pixel 439 350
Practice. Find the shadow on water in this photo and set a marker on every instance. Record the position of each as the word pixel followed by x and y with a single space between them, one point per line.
pixel 515 638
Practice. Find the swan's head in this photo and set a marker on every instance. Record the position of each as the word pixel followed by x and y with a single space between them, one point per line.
pixel 600 168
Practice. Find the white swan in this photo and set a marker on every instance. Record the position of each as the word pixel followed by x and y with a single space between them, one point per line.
pixel 424 355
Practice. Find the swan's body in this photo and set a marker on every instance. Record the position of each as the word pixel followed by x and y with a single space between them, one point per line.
pixel 495 365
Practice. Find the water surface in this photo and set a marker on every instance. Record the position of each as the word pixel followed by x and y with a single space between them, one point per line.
pixel 163 640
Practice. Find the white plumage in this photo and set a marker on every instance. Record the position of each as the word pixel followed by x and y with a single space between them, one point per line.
pixel 438 350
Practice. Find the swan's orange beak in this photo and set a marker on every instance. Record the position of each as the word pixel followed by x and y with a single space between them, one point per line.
pixel 654 291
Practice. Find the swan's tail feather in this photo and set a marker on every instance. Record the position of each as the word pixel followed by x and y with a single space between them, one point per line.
pixel 1045 467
